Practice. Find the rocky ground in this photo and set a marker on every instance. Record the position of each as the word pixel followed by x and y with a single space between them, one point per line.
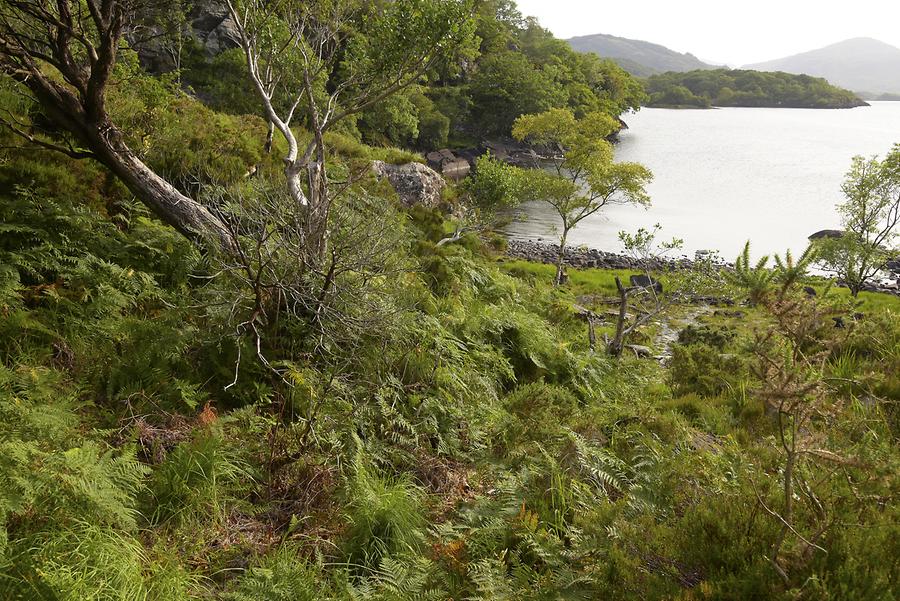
pixel 885 286
pixel 669 329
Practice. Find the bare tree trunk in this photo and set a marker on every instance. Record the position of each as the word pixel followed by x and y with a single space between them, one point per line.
pixel 105 144
pixel 185 214
pixel 79 105
pixel 319 208
pixel 615 347
pixel 270 135
pixel 560 277
pixel 787 516
pixel 294 162
pixel 592 336
pixel 293 173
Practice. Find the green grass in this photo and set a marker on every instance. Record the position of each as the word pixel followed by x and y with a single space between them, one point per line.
pixel 869 301
pixel 581 281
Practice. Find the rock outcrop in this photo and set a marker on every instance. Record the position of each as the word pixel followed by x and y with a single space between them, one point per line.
pixel 415 183
pixel 208 24
pixel 213 26
pixel 520 155
pixel 456 164
pixel 893 266
pixel 448 163
pixel 882 285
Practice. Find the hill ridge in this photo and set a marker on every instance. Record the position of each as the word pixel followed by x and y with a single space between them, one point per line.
pixel 639 57
pixel 863 64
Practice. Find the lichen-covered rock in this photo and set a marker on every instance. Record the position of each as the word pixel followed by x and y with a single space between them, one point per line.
pixel 415 183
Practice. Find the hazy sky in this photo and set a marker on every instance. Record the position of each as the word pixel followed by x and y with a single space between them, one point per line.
pixel 723 31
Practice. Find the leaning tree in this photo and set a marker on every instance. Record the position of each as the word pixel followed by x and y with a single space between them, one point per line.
pixel 62 53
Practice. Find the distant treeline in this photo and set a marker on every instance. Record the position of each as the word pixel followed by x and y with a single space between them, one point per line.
pixel 725 87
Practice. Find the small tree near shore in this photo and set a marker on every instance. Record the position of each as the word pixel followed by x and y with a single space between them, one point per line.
pixel 870 215
pixel 816 484
pixel 583 177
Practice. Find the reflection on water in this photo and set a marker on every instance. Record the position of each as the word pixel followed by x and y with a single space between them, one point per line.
pixel 724 176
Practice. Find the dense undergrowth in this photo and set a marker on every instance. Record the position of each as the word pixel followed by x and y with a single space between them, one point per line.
pixel 469 447
pixel 439 428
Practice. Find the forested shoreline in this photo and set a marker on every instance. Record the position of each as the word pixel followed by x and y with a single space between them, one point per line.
pixel 512 66
pixel 735 87
pixel 251 348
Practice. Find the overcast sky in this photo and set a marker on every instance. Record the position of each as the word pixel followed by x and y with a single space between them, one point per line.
pixel 723 31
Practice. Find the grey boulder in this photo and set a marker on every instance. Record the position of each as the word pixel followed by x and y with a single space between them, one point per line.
pixel 415 183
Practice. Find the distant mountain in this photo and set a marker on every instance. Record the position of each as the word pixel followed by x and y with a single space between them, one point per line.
pixel 864 65
pixel 639 58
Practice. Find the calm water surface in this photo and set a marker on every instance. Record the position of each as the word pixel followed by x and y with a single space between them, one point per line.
pixel 728 175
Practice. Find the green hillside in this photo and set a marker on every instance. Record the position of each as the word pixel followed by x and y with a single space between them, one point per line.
pixel 639 58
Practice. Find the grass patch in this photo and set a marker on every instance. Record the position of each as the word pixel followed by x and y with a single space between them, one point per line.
pixel 581 281
pixel 869 301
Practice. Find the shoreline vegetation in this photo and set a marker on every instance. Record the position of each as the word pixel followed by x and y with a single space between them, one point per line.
pixel 743 88
pixel 583 257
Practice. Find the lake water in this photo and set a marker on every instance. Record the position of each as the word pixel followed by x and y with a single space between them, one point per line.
pixel 724 176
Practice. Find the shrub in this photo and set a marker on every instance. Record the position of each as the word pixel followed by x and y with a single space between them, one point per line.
pixel 868 362
pixel 384 515
pixel 436 270
pixel 280 576
pixel 716 337
pixel 48 473
pixel 195 479
pixel 539 404
pixel 536 415
pixel 702 369
pixel 86 562
pixel 710 414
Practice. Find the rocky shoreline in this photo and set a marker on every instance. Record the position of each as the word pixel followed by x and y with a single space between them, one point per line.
pixel 542 251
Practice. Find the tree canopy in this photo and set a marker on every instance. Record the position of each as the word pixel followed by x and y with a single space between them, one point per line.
pixel 516 67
